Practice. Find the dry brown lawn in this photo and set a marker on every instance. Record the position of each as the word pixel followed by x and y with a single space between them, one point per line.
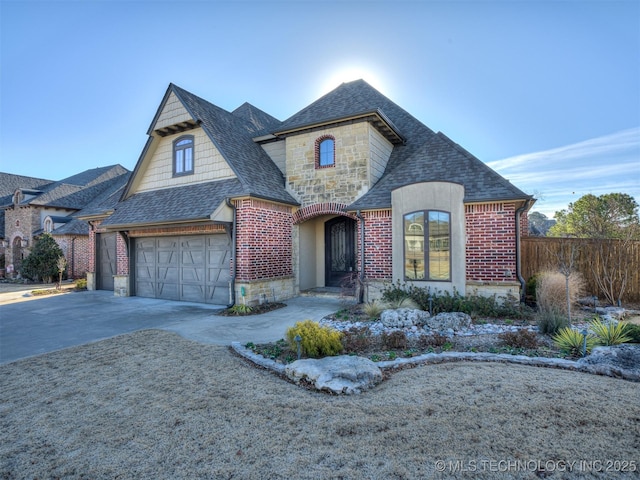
pixel 154 405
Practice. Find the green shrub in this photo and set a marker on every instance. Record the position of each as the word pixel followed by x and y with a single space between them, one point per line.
pixel 550 322
pixel 372 310
pixel 240 309
pixel 571 341
pixel 42 261
pixel 395 294
pixel 81 284
pixel 400 294
pixel 609 333
pixel 396 340
pixel 531 286
pixel 317 341
pixel 633 332
pixel 520 339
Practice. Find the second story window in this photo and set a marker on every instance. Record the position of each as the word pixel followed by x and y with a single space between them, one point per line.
pixel 48 225
pixel 183 155
pixel 325 152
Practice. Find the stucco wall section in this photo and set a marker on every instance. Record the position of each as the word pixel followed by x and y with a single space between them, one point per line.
pixel 354 171
pixel 208 164
pixel 443 196
pixel 172 113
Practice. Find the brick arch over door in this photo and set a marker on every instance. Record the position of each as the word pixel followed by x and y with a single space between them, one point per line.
pixel 317 209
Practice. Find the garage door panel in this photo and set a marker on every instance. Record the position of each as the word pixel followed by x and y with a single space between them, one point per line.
pixel 193 293
pixel 193 275
pixel 167 291
pixel 188 268
pixel 106 260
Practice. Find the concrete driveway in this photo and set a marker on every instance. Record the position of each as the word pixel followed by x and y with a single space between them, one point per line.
pixel 36 325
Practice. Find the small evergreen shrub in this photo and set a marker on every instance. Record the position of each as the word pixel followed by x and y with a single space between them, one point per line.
pixel 317 341
pixel 571 341
pixel 633 332
pixel 549 322
pixel 81 284
pixel 610 334
pixel 399 295
pixel 395 294
pixel 520 339
pixel 396 340
pixel 42 261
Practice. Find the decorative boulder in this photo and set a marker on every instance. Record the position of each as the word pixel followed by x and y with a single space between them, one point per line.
pixel 624 357
pixel 449 321
pixel 343 374
pixel 403 317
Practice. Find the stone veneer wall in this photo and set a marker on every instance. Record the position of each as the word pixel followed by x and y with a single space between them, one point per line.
pixel 350 177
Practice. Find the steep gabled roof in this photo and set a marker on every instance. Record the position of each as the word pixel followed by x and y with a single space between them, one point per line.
pixel 262 121
pixel 233 137
pixel 424 155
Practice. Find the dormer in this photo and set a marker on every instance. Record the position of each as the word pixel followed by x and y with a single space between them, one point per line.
pixel 24 195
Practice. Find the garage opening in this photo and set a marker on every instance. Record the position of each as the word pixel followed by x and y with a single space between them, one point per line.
pixel 186 268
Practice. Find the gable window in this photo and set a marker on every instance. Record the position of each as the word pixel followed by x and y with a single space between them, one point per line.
pixel 183 155
pixel 427 245
pixel 325 152
pixel 48 225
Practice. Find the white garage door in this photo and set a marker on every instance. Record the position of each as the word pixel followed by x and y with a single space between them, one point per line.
pixel 188 268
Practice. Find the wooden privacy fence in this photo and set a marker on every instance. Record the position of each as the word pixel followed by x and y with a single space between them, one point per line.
pixel 541 253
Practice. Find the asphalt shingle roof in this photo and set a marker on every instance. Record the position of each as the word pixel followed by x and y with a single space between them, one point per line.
pixel 190 202
pixel 233 137
pixel 425 155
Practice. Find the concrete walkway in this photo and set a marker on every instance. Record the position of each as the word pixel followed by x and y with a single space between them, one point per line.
pixel 35 325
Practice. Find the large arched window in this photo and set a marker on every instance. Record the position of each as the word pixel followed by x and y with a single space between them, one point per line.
pixel 430 259
pixel 183 155
pixel 325 151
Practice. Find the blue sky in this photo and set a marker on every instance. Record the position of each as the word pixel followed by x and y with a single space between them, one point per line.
pixel 545 92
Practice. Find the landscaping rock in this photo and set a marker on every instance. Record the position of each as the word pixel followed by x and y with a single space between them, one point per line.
pixel 451 321
pixel 620 357
pixel 343 374
pixel 403 317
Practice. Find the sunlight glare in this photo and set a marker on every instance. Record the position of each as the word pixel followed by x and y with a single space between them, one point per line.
pixel 351 73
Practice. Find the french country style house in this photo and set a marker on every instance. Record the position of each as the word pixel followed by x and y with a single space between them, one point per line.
pixel 224 207
pixel 31 206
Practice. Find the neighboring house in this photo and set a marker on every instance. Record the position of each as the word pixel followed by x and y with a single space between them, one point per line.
pixel 229 204
pixel 34 207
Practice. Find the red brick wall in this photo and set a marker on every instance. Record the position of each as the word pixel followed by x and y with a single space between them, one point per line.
pixel 76 251
pixel 377 245
pixel 491 244
pixel 264 243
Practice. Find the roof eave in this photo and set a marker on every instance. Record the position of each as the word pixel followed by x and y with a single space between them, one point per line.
pixel 376 117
